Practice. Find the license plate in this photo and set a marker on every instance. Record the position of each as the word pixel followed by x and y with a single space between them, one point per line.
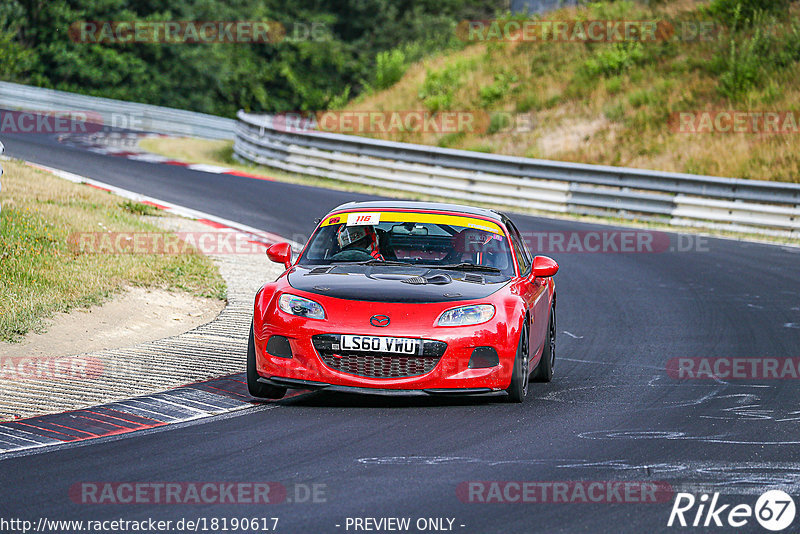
pixel 395 345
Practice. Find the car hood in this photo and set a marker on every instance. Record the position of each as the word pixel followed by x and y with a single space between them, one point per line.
pixel 395 284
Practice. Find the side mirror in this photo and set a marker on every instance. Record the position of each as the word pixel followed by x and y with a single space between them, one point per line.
pixel 544 267
pixel 281 253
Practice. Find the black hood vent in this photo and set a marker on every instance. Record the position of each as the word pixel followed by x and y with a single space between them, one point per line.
pixel 437 279
pixel 474 278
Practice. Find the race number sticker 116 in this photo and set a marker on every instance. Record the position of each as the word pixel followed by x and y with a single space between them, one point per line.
pixel 363 219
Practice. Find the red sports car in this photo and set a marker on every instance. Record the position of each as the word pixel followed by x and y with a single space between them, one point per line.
pixel 406 296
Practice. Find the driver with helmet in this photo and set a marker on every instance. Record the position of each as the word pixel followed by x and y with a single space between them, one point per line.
pixel 356 243
pixel 479 247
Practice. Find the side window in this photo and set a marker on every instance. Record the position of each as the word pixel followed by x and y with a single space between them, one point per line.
pixel 525 247
pixel 523 258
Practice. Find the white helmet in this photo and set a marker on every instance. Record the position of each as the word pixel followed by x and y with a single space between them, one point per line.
pixel 350 235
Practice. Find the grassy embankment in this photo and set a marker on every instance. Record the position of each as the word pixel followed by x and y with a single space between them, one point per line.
pixel 605 103
pixel 41 273
pixel 612 103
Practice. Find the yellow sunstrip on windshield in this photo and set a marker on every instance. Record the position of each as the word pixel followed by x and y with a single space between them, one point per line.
pixel 374 217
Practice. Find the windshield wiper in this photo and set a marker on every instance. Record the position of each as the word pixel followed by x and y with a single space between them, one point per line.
pixel 383 262
pixel 467 267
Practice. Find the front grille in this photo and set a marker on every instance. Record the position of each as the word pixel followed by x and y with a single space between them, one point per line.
pixel 376 364
pixel 380 366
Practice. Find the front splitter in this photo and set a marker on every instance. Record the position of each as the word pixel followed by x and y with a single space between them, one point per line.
pixel 309 384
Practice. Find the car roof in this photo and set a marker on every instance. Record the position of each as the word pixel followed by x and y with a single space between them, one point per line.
pixel 419 205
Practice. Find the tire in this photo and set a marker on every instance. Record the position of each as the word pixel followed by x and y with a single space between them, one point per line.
pixel 256 388
pixel 544 371
pixel 519 376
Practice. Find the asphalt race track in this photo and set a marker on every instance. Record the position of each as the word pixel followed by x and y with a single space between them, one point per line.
pixel 612 413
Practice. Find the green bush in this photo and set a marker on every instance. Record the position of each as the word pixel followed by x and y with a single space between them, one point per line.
pixel 499 121
pixel 615 59
pixel 490 94
pixel 741 66
pixel 328 47
pixel 614 85
pixel 640 98
pixel 389 68
pixel 614 112
pixel 438 89
pixel 486 149
pixel 530 101
pixel 614 10
pixel 753 53
pixel 450 139
pixel 734 13
pixel 137 208
pixel 15 60
pixel 789 52
pixel 552 102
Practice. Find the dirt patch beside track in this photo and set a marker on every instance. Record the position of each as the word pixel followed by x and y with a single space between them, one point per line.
pixel 53 381
pixel 135 316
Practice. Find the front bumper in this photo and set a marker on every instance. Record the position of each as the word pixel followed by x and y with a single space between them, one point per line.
pixel 451 374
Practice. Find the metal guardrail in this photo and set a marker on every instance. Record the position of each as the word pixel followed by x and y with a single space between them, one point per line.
pixel 550 186
pixel 118 113
pixel 680 199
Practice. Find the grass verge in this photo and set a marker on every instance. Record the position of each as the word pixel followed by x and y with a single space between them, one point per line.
pixel 40 274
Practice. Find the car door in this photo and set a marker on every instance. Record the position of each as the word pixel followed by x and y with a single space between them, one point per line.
pixel 533 290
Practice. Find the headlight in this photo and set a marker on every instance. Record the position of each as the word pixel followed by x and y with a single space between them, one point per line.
pixel 294 305
pixel 466 315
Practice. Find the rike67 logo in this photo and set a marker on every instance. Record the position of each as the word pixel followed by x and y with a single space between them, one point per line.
pixel 774 510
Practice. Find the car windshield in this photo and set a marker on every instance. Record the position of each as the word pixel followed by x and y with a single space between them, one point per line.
pixel 409 238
